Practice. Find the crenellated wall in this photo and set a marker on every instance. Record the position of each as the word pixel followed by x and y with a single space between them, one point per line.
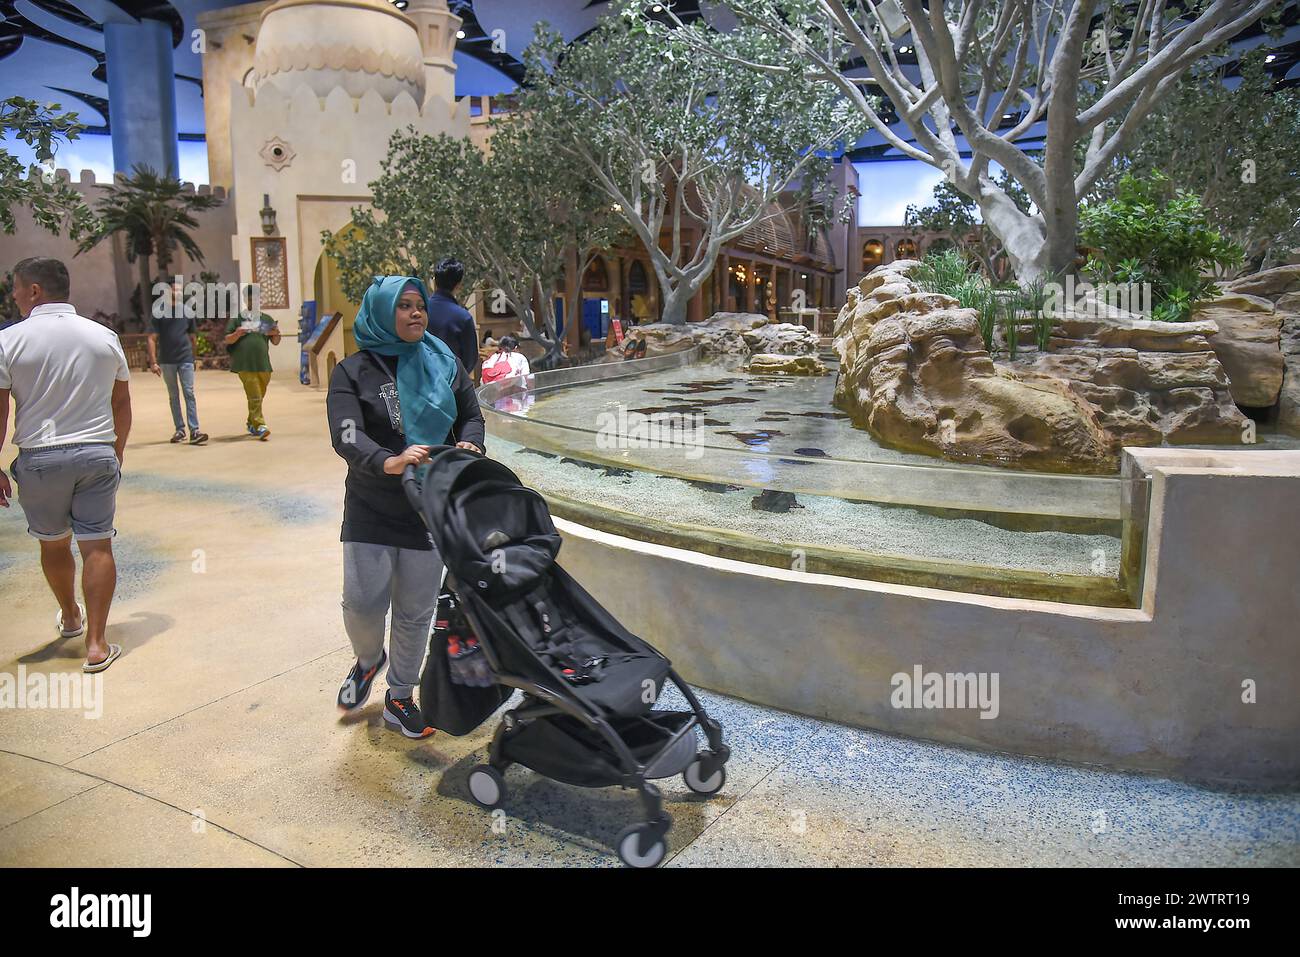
pixel 102 279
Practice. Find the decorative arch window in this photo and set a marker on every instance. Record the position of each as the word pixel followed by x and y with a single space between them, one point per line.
pixel 596 278
pixel 873 254
pixel 905 249
pixel 637 282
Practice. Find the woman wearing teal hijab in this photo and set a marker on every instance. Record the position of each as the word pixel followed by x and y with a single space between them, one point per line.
pixel 401 393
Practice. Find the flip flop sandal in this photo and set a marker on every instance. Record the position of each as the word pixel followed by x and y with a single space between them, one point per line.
pixel 114 652
pixel 58 623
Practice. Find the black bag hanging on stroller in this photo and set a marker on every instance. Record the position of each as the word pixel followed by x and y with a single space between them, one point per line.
pixel 447 704
pixel 588 715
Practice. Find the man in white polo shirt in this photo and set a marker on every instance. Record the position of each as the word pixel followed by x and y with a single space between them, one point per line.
pixel 68 377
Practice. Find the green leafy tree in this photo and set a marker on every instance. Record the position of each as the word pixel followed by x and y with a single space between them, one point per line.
pixel 54 204
pixel 1152 233
pixel 154 215
pixel 690 152
pixel 9 313
pixel 955 216
pixel 513 215
pixel 1237 149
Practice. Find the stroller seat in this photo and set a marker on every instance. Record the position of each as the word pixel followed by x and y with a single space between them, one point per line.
pixel 608 669
pixel 628 687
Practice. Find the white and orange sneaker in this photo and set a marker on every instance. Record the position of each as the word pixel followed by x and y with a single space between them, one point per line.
pixel 405 714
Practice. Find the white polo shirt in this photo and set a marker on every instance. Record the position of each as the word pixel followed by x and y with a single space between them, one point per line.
pixel 60 368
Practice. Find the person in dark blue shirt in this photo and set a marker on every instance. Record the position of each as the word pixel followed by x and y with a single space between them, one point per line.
pixel 448 319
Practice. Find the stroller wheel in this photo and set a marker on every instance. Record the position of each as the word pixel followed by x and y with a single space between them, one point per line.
pixel 630 850
pixel 487 787
pixel 701 785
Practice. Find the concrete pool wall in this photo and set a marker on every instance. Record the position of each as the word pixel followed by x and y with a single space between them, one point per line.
pixel 1198 682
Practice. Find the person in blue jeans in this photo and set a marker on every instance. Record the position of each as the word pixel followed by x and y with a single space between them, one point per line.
pixel 172 343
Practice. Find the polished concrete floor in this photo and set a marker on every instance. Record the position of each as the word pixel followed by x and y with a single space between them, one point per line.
pixel 219 742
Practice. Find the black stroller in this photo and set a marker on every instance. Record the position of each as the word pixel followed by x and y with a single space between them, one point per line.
pixel 589 686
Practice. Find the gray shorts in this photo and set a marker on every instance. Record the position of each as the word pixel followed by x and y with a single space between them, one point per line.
pixel 68 488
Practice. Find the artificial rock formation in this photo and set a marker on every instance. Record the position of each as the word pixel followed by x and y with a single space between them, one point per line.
pixel 781 338
pixel 1248 345
pixel 768 363
pixel 1148 382
pixel 730 334
pixel 1288 400
pixel 915 373
pixel 1260 346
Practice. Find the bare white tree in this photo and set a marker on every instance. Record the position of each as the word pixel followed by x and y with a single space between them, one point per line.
pixel 988 71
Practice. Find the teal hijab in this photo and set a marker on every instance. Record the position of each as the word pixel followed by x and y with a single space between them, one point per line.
pixel 426 368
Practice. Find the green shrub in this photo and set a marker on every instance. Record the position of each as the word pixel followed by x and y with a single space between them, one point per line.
pixel 950 273
pixel 987 309
pixel 1032 296
pixel 9 313
pixel 1011 306
pixel 947 272
pixel 1149 233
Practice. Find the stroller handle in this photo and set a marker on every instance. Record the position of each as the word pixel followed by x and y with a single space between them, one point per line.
pixel 411 486
pixel 411 481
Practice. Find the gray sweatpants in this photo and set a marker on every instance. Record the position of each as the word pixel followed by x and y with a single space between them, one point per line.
pixel 375 578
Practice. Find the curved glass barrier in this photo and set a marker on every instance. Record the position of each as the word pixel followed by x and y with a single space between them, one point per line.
pixel 703 456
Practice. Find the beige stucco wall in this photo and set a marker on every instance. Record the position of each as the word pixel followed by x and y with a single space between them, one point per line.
pixel 102 279
pixel 1157 688
pixel 338 144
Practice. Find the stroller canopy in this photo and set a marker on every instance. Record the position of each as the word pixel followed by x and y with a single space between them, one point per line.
pixel 495 535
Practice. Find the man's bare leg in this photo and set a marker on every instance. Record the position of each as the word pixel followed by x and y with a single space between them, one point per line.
pixel 61 573
pixel 98 581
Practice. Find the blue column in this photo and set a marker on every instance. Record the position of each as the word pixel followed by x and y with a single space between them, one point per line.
pixel 141 95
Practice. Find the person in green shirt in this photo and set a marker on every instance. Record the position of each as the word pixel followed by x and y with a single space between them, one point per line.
pixel 250 359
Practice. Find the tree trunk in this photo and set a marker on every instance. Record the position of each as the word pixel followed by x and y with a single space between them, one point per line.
pixel 678 298
pixel 541 329
pixel 146 290
pixel 1024 237
pixel 163 257
pixel 675 306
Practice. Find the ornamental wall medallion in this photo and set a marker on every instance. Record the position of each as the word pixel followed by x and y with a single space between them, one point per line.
pixel 277 153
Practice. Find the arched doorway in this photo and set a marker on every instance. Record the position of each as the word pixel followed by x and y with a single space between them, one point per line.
pixel 873 254
pixel 639 306
pixel 905 249
pixel 595 298
pixel 328 289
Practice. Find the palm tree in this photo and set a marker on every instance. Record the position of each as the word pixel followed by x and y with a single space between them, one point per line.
pixel 154 215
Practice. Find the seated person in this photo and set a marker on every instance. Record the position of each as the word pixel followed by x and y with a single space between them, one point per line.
pixel 507 363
